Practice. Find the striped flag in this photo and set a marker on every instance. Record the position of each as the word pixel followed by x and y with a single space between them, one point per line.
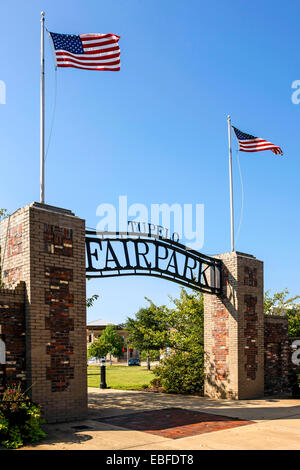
pixel 87 51
pixel 249 143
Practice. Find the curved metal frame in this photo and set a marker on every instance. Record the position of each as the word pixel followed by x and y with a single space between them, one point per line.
pixel 212 284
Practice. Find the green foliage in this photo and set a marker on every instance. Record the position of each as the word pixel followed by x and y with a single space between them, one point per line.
pixel 3 213
pixel 281 304
pixel 148 331
pixel 179 330
pixel 293 315
pixel 97 349
pixel 20 419
pixel 90 300
pixel 151 354
pixel 181 373
pixel 110 342
pixel 186 323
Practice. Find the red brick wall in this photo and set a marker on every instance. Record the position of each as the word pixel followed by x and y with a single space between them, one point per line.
pixel 233 331
pixel 250 334
pixel 12 322
pixel 220 334
pixel 45 245
pixel 277 355
pixel 59 298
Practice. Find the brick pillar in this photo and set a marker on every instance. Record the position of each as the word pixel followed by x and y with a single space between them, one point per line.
pixel 45 247
pixel 234 331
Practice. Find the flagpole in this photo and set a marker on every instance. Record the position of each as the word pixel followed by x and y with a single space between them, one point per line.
pixel 42 112
pixel 230 183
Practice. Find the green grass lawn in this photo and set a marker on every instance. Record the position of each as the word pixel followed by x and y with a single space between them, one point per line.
pixel 121 377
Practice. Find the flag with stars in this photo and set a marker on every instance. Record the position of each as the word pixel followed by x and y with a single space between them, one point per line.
pixel 249 143
pixel 87 51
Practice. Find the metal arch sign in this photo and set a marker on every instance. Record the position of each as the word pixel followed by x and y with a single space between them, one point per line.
pixel 111 254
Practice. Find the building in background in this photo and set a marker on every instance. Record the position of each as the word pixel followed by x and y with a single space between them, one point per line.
pixel 96 328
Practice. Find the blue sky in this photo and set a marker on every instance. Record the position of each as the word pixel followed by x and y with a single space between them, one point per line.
pixel 157 130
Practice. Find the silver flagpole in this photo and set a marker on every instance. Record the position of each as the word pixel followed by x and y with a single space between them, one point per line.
pixel 230 183
pixel 42 112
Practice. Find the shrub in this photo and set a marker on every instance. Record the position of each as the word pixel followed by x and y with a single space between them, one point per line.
pixel 20 419
pixel 153 355
pixel 180 372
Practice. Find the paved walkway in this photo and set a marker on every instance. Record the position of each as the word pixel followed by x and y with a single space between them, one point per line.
pixel 275 424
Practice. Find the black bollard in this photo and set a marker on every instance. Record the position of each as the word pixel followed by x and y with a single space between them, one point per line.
pixel 295 384
pixel 102 374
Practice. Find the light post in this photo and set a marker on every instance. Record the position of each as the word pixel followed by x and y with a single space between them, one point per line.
pixel 102 374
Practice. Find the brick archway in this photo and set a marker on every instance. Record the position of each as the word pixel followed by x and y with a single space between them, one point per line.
pixel 44 247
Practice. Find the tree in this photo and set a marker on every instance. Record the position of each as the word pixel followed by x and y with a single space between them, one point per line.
pixel 152 354
pixel 281 304
pixel 3 213
pixel 90 300
pixel 97 349
pixel 186 322
pixel 148 331
pixel 278 303
pixel 182 371
pixel 293 315
pixel 180 332
pixel 110 342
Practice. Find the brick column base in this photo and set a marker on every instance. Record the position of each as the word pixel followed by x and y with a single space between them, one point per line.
pixel 234 331
pixel 44 246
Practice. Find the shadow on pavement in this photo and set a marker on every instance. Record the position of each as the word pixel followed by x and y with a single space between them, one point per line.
pixel 113 403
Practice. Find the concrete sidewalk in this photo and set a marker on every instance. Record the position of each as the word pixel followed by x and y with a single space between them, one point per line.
pixel 276 424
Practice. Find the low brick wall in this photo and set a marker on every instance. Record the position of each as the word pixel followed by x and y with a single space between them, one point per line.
pixel 13 333
pixel 280 372
pixel 277 355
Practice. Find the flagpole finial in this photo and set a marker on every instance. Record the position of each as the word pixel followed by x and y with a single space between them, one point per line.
pixel 42 15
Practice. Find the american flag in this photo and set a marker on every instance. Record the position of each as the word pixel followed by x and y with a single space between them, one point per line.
pixel 87 51
pixel 249 143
